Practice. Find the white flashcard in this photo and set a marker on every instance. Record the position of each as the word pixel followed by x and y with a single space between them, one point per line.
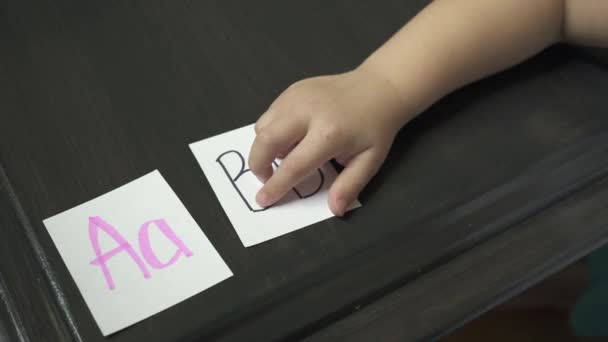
pixel 223 159
pixel 134 252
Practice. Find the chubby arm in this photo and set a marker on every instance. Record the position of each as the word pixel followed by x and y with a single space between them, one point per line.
pixel 452 43
pixel 353 117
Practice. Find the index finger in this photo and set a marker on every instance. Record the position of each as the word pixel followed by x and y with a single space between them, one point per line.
pixel 308 155
pixel 271 140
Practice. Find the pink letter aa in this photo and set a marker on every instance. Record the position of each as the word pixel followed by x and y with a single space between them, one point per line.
pixel 96 223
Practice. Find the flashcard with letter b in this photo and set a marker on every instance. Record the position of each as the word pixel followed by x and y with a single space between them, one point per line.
pixel 223 159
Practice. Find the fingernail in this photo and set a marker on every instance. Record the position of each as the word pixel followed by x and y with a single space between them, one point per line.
pixel 341 206
pixel 263 199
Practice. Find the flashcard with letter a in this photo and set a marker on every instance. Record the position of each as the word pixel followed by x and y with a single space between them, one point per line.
pixel 223 159
pixel 135 251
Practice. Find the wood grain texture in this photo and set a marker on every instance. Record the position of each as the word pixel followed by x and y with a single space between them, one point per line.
pixel 9 327
pixel 31 295
pixel 96 94
pixel 470 284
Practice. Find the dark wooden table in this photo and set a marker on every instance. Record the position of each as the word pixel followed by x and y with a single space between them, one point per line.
pixel 493 189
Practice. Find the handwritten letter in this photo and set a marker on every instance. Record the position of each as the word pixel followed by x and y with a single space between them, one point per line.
pixel 223 159
pixel 135 251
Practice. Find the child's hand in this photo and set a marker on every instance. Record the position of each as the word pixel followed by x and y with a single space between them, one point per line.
pixel 352 117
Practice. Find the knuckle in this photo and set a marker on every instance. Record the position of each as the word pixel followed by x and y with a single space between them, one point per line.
pixel 296 85
pixel 265 137
pixel 299 91
pixel 331 131
pixel 288 93
pixel 262 124
pixel 257 127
